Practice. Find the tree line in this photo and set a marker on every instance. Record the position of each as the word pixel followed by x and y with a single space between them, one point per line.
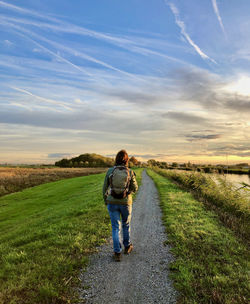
pixel 92 160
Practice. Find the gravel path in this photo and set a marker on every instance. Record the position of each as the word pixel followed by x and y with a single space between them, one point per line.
pixel 142 276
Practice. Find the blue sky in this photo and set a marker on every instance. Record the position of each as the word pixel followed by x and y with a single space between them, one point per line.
pixel 167 80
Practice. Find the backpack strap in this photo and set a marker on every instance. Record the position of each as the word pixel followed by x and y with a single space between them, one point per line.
pixel 111 177
pixel 128 181
pixel 130 173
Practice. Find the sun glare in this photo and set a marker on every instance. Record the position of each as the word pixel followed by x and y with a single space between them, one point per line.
pixel 241 86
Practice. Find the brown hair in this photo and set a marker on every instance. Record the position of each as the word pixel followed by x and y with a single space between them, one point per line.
pixel 121 158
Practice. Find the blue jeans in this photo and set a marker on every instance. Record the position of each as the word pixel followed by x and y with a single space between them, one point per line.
pixel 115 212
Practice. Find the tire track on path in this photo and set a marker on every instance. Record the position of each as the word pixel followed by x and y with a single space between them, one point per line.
pixel 142 276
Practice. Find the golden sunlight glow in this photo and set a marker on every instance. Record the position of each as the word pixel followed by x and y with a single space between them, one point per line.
pixel 241 86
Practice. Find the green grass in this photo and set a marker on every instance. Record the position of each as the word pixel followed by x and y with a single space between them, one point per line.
pixel 47 233
pixel 232 206
pixel 211 265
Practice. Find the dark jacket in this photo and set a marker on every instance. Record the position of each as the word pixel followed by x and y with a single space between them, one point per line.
pixel 109 199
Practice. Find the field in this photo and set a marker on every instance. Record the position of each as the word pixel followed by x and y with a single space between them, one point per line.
pixel 47 234
pixel 211 263
pixel 13 179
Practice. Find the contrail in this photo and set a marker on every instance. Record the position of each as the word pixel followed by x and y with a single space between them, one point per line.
pixel 44 48
pixel 61 26
pixel 25 11
pixel 42 98
pixel 58 56
pixel 121 42
pixel 217 13
pixel 182 26
pixel 89 58
pixel 79 54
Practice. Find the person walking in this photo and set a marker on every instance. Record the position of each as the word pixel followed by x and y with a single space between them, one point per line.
pixel 119 185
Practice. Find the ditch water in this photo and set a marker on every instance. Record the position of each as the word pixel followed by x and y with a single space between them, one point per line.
pixel 236 179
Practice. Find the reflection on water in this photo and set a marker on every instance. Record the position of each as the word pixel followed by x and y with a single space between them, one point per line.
pixel 236 179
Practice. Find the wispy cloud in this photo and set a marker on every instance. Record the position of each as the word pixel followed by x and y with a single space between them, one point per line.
pixel 72 85
pixel 63 26
pixel 210 91
pixel 24 10
pixel 47 100
pixel 59 56
pixel 184 33
pixel 127 43
pixel 59 155
pixel 8 43
pixel 185 118
pixel 20 31
pixel 202 137
pixel 217 13
pixel 80 54
pixel 20 105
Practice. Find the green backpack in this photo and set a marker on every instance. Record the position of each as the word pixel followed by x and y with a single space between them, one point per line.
pixel 119 182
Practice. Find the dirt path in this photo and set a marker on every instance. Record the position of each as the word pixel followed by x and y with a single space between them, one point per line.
pixel 142 276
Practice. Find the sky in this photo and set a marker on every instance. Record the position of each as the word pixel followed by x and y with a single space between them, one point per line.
pixel 168 80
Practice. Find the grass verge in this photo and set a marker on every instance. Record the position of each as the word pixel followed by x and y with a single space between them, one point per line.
pixel 47 233
pixel 232 206
pixel 211 265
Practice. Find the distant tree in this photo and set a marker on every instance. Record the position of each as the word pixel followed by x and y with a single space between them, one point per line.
pixel 134 161
pixel 207 169
pixel 130 164
pixel 242 165
pixel 62 163
pixel 75 164
pixel 174 164
pixel 151 162
pixel 86 160
pixel 164 165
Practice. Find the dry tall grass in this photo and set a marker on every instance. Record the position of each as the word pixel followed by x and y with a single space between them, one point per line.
pixel 16 179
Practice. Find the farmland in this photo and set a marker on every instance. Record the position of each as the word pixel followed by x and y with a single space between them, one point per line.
pixel 13 179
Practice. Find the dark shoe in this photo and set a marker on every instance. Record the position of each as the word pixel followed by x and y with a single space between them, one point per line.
pixel 117 256
pixel 128 249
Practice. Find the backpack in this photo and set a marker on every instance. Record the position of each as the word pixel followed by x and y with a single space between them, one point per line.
pixel 119 182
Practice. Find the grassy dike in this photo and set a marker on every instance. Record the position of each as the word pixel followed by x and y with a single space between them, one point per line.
pixel 211 265
pixel 47 233
pixel 231 206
